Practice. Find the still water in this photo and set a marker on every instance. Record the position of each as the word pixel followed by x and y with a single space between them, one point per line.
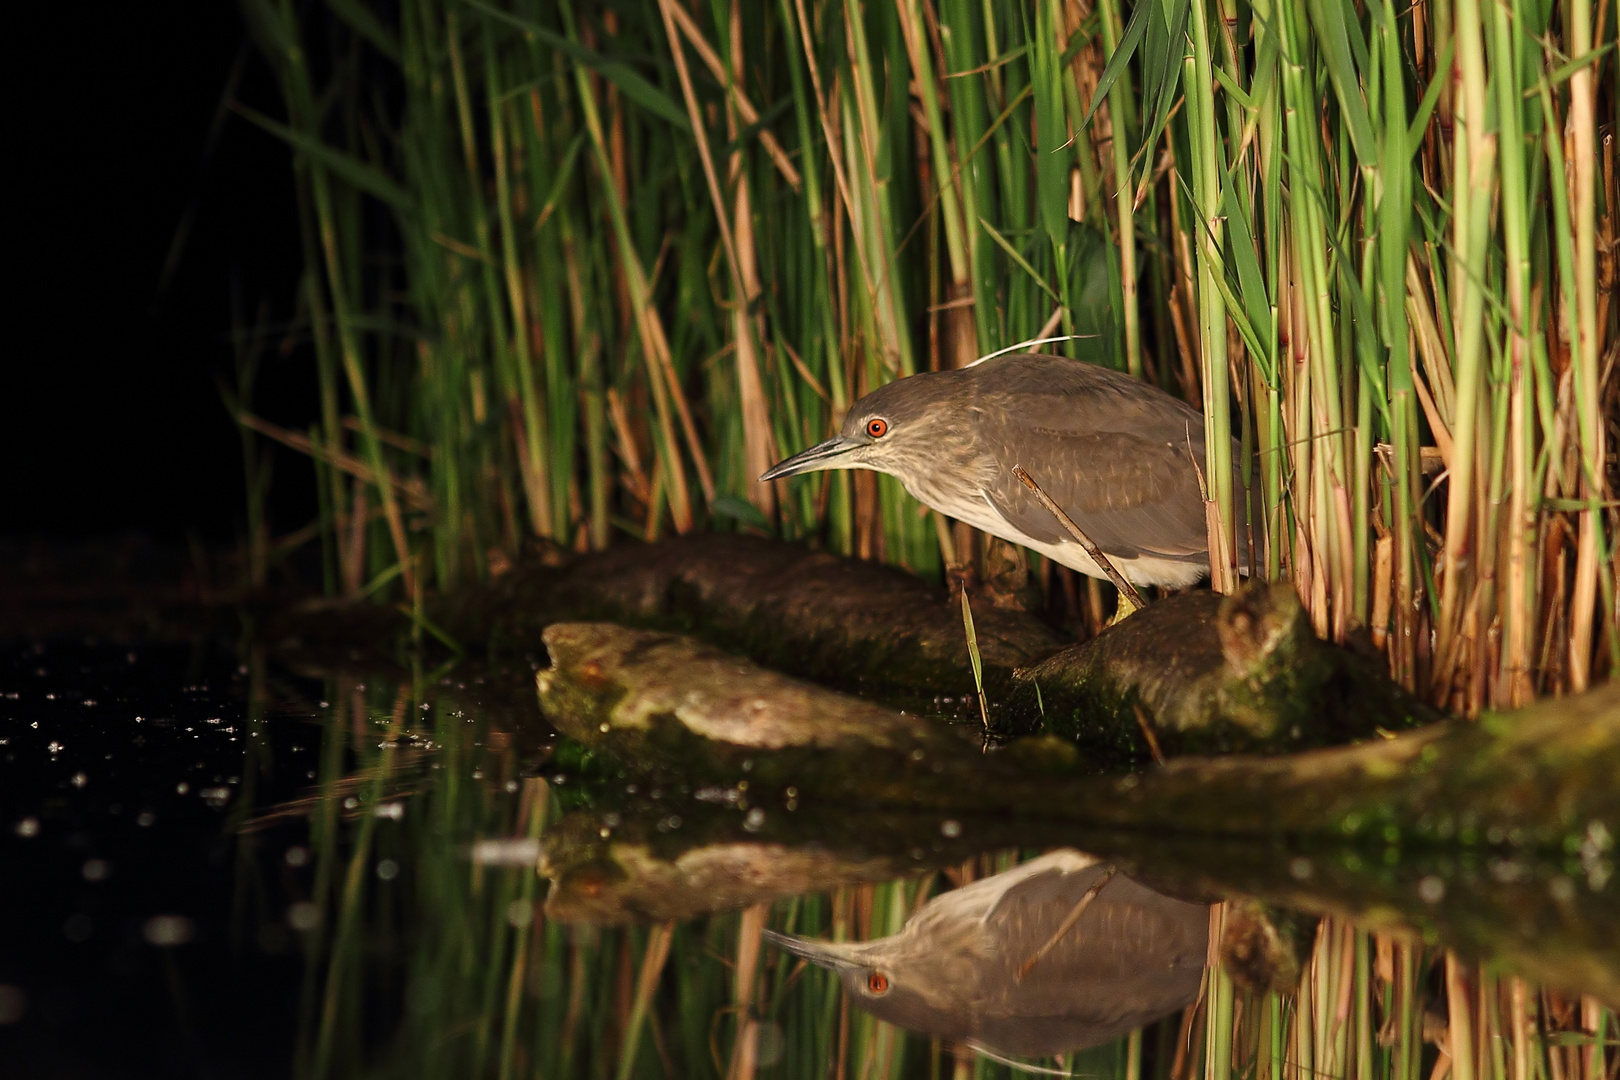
pixel 221 864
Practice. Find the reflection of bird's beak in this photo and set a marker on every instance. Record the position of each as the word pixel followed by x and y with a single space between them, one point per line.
pixel 825 455
pixel 828 954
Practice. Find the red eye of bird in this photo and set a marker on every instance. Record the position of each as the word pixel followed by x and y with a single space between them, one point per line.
pixel 877 982
pixel 877 428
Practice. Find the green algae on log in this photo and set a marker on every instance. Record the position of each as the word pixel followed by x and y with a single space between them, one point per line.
pixel 1213 674
pixel 659 700
pixel 1542 777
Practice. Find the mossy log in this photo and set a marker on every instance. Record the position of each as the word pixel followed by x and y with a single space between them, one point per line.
pixel 1542 777
pixel 1201 673
pixel 665 701
pixel 845 622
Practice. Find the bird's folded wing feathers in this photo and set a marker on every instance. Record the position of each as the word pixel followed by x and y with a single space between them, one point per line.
pixel 1131 495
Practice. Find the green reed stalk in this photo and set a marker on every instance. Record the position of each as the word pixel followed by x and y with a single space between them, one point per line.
pixel 1207 165
pixel 1119 116
pixel 534 443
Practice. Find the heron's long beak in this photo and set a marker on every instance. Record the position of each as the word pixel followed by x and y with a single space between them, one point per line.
pixel 827 954
pixel 825 455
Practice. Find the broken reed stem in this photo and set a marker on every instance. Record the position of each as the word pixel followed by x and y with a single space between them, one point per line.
pixel 1066 925
pixel 1125 588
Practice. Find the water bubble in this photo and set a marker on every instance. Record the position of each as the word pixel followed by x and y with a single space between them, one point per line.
pixel 518 851
pixel 392 810
pixel 303 916
pixel 388 869
pixel 950 829
pixel 520 913
pixel 77 927
pixel 297 856
pixel 216 797
pixel 1432 889
pixel 167 931
pixel 27 827
pixel 96 869
pixel 13 1003
pixel 755 820
pixel 144 819
pixel 181 788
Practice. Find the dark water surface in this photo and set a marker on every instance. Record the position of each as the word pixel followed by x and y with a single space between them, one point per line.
pixel 216 865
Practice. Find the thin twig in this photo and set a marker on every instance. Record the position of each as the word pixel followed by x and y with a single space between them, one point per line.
pixel 1067 924
pixel 1147 733
pixel 1125 588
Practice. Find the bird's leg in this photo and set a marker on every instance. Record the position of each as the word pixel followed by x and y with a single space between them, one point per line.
pixel 1125 608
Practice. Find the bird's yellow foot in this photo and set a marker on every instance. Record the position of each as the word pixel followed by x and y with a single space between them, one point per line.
pixel 1125 608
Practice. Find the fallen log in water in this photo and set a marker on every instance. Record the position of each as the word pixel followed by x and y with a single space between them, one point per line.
pixel 1201 673
pixel 1197 673
pixel 841 621
pixel 1542 777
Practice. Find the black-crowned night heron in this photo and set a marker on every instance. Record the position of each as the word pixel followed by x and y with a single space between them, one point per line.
pixel 1120 456
pixel 1054 955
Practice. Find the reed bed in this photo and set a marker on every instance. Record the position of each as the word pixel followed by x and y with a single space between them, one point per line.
pixel 579 270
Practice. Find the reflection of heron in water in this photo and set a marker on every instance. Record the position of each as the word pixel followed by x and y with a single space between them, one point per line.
pixel 1055 955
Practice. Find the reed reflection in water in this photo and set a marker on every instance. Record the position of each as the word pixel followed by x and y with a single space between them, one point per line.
pixel 425 961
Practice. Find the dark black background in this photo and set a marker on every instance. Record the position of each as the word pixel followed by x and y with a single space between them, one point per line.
pixel 110 416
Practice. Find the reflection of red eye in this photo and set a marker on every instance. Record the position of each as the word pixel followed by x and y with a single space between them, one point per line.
pixel 877 428
pixel 877 982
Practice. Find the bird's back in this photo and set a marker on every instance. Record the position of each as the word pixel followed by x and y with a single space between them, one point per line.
pixel 1056 394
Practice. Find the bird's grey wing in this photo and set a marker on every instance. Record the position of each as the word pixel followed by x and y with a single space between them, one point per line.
pixel 1131 956
pixel 1042 883
pixel 1131 494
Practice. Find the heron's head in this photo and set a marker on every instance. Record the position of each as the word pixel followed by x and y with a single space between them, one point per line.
pixel 886 979
pixel 899 426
